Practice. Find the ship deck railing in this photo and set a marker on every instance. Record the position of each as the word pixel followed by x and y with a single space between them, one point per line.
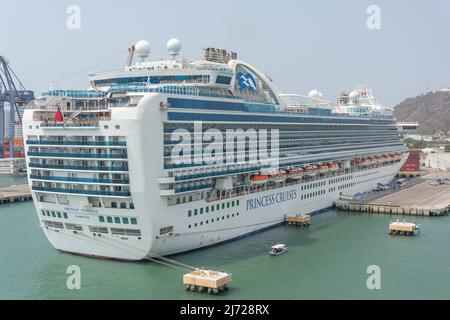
pixel 80 191
pixel 77 155
pixel 88 180
pixel 72 167
pixel 77 143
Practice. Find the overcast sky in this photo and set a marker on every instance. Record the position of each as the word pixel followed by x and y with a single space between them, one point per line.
pixel 302 45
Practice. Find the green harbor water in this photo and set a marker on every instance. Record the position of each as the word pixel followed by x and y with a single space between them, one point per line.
pixel 327 261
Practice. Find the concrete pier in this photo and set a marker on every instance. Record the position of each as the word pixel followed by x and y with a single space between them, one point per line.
pixel 426 198
pixel 15 193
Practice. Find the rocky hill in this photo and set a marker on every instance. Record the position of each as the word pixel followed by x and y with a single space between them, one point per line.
pixel 431 111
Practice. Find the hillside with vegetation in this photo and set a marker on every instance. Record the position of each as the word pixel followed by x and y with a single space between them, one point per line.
pixel 431 111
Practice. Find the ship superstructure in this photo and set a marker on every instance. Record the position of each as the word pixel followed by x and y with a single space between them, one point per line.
pixel 171 155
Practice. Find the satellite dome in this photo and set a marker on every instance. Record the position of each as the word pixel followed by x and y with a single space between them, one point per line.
pixel 142 49
pixel 314 94
pixel 354 95
pixel 174 46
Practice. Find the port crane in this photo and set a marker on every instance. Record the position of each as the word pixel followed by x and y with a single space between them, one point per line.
pixel 14 93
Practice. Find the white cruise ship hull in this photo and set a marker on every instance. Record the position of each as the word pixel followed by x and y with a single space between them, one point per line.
pixel 235 218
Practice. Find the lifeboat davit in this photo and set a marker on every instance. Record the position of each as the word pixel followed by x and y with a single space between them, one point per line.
pixel 259 179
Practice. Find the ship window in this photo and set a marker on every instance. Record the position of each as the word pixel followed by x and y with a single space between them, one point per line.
pixel 237 214
pixel 131 205
pixel 109 219
pixel 59 214
pixel 53 214
pixel 232 203
pixel 207 209
pixel 125 221
pixel 117 127
pixel 190 226
pixel 212 208
pixel 223 206
pixel 123 205
pixel 201 223
pixel 65 215
pixel 101 219
pixel 228 216
pixel 237 202
pixel 228 204
pixel 223 80
pixel 201 210
pixel 195 225
pixel 133 221
pixel 117 220
pixel 218 207
pixel 113 204
pixel 189 213
pixel 232 215
pixel 207 221
pixel 195 212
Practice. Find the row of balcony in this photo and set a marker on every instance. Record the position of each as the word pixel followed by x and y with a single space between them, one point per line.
pixel 71 167
pixel 84 192
pixel 77 155
pixel 69 125
pixel 88 180
pixel 76 143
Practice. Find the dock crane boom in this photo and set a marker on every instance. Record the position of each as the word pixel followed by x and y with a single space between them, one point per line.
pixel 13 92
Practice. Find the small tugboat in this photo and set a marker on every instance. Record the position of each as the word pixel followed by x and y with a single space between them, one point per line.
pixel 278 249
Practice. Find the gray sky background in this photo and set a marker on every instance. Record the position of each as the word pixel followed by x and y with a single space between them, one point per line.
pixel 302 45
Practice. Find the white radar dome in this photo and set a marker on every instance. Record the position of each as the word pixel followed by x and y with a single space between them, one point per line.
pixel 354 95
pixel 174 46
pixel 142 49
pixel 314 94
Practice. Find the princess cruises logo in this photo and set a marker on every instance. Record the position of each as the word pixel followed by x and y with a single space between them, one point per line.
pixel 247 81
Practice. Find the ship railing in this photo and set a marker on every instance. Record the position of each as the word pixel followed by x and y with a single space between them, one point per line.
pixel 77 155
pixel 88 180
pixel 75 93
pixel 82 191
pixel 69 125
pixel 193 188
pixel 218 195
pixel 72 167
pixel 77 143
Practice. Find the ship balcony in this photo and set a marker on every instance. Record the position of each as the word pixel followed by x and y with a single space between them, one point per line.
pixel 69 125
pixel 77 143
pixel 185 189
pixel 83 192
pixel 80 168
pixel 166 180
pixel 77 155
pixel 193 188
pixel 85 180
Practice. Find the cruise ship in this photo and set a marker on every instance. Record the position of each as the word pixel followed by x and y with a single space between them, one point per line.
pixel 170 155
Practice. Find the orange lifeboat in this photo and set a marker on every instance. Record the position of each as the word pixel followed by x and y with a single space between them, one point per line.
pixel 259 179
pixel 333 166
pixel 296 173
pixel 278 176
pixel 322 168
